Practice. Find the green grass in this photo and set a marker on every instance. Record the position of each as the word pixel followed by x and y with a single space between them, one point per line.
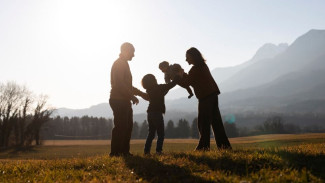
pixel 295 158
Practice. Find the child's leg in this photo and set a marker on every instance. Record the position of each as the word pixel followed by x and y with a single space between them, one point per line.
pixel 151 134
pixel 160 131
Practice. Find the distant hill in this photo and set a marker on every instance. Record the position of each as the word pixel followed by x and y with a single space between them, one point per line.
pixel 296 57
pixel 267 51
pixel 139 111
pixel 278 78
pixel 100 110
pixel 295 76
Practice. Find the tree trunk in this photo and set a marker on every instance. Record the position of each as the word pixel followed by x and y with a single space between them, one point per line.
pixel 37 137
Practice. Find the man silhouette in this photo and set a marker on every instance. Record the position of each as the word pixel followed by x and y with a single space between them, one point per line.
pixel 122 93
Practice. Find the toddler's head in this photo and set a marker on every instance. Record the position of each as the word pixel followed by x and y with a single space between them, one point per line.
pixel 177 70
pixel 163 66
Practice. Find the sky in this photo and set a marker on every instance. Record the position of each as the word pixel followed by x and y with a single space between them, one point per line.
pixel 65 48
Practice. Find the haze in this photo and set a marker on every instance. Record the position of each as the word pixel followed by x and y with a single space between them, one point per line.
pixel 65 48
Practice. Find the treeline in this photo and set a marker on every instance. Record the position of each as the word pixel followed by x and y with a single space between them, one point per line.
pixel 94 128
pixel 272 125
pixel 182 130
pixel 25 119
pixel 22 114
pixel 86 127
pixel 253 119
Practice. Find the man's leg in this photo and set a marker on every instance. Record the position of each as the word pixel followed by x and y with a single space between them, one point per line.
pixel 119 112
pixel 128 129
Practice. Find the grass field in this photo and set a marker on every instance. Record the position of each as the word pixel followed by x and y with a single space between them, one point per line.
pixel 265 158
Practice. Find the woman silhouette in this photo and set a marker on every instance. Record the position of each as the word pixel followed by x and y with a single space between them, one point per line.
pixel 207 91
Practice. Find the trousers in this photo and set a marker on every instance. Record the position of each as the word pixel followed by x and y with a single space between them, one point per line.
pixel 209 115
pixel 156 123
pixel 123 124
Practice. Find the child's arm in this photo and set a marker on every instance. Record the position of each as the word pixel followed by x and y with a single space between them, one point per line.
pixel 166 87
pixel 143 95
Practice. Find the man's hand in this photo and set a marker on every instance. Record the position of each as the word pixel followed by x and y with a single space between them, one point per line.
pixel 135 100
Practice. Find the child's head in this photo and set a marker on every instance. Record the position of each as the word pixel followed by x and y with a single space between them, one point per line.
pixel 163 66
pixel 148 81
pixel 177 70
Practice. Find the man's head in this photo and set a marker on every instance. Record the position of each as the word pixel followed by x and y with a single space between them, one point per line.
pixel 127 51
pixel 149 81
pixel 163 66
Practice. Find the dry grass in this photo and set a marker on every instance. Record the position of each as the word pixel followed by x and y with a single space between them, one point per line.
pixel 266 158
pixel 108 142
pixel 272 137
pixel 237 140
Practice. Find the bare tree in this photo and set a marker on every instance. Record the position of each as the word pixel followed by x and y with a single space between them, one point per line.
pixel 18 119
pixel 10 101
pixel 41 115
pixel 24 118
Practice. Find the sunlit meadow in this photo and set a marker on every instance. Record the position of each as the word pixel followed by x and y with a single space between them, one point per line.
pixel 266 158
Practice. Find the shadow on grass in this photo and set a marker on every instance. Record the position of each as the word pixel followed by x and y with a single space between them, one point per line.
pixel 238 166
pixel 153 170
pixel 299 161
pixel 313 163
pixel 23 150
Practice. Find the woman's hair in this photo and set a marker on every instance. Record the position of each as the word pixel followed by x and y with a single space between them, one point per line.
pixel 148 81
pixel 196 55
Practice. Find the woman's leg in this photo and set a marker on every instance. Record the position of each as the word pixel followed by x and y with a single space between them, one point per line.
pixel 203 126
pixel 217 126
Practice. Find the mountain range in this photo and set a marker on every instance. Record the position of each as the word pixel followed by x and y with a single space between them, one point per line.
pixel 278 78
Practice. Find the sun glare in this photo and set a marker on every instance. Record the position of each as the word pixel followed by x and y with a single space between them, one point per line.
pixel 83 24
